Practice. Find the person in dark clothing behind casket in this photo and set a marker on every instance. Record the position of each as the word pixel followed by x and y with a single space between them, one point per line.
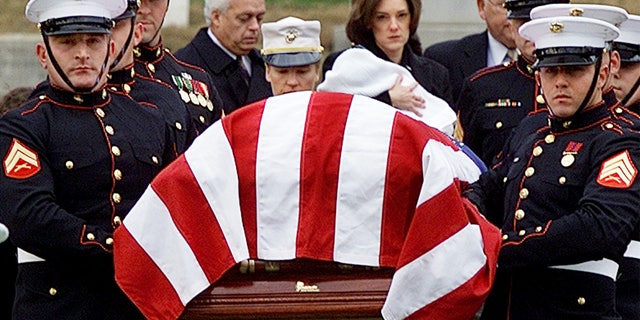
pixel 388 29
pixel 226 49
pixel 466 55
pixel 291 50
pixel 495 99
pixel 568 183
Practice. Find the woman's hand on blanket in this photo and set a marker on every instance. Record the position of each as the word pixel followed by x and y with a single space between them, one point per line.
pixel 403 98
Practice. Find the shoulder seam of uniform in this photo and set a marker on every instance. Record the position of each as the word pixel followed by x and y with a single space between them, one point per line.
pixel 526 74
pixel 185 63
pixel 34 108
pixel 489 70
pixel 147 104
pixel 156 80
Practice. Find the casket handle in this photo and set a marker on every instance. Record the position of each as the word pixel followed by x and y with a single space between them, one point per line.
pixel 301 287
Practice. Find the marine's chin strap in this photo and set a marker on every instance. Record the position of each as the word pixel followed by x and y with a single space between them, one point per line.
pixel 594 82
pixel 161 23
pixel 64 75
pixel 126 45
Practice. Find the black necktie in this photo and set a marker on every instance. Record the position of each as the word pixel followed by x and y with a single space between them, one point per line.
pixel 243 70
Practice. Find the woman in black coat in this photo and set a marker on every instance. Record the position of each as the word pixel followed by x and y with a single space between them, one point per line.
pixel 388 29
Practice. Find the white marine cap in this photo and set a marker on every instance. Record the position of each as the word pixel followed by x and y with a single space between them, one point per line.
pixel 628 43
pixel 291 42
pixel 74 16
pixel 568 41
pixel 610 14
pixel 630 30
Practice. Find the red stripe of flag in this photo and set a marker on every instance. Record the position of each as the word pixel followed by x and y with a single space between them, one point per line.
pixel 449 217
pixel 178 189
pixel 319 171
pixel 131 272
pixel 242 130
pixel 468 298
pixel 404 168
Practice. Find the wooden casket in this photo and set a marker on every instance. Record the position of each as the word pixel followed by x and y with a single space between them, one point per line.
pixel 298 289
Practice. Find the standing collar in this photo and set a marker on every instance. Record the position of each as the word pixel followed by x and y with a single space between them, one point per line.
pixel 149 54
pixel 122 80
pixel 525 66
pixel 69 98
pixel 581 120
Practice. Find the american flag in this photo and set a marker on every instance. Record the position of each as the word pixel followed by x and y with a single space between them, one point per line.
pixel 326 176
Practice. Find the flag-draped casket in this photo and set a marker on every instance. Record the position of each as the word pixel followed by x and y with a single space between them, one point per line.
pixel 322 176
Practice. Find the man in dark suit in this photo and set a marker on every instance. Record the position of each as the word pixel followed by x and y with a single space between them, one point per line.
pixel 494 100
pixel 465 56
pixel 226 49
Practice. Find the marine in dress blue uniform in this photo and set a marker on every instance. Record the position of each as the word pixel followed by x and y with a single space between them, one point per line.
pixel 628 46
pixel 626 49
pixel 569 189
pixel 628 283
pixel 611 14
pixel 146 91
pixel 161 96
pixel 75 160
pixel 495 99
pixel 192 83
pixel 492 103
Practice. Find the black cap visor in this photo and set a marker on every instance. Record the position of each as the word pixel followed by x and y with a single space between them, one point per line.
pixel 73 25
pixel 294 59
pixel 520 9
pixel 127 14
pixel 567 56
pixel 629 53
pixel 519 14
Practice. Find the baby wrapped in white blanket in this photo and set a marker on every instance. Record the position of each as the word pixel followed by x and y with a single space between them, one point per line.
pixel 358 71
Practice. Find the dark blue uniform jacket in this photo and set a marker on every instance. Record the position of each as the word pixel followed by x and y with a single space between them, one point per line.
pixel 73 166
pixel 565 195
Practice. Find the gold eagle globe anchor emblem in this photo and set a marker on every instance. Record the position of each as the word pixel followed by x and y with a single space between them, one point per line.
pixel 291 36
pixel 556 27
pixel 576 12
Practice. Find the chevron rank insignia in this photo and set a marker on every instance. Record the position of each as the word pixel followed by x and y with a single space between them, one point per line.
pixel 20 162
pixel 618 171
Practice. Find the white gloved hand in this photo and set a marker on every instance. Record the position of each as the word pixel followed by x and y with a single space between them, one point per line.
pixel 4 233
